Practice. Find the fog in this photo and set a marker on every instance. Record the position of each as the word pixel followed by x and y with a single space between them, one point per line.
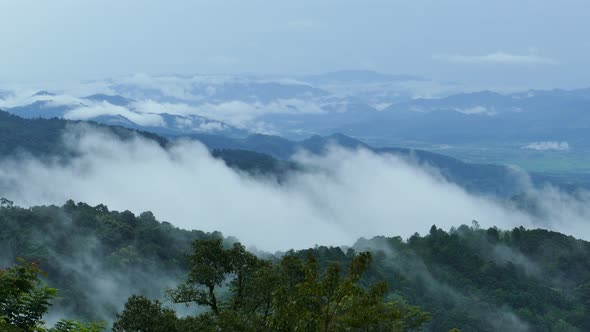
pixel 342 195
pixel 549 145
pixel 410 265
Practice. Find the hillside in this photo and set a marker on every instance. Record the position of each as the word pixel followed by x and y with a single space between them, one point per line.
pixel 267 154
pixel 96 257
pixel 470 278
pixel 488 179
pixel 44 138
pixel 118 111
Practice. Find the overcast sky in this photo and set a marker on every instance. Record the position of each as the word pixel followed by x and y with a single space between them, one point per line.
pixel 507 43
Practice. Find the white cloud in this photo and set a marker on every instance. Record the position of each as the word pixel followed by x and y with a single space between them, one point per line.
pixel 151 96
pixel 498 58
pixel 209 127
pixel 548 145
pixel 477 110
pixel 381 106
pixel 152 106
pixel 333 205
pixel 104 108
pixel 26 96
pixel 237 113
pixel 142 86
pixel 211 96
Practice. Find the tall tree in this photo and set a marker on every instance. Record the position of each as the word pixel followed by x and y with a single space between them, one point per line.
pixel 24 299
pixel 289 296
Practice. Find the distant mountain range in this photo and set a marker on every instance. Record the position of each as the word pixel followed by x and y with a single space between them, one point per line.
pixel 486 116
pixel 488 179
pixel 120 111
pixel 296 107
pixel 363 104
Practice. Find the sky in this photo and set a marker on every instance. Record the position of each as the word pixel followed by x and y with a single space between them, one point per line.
pixel 500 43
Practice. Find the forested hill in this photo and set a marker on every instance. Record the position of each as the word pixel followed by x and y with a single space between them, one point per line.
pixel 470 278
pixel 489 279
pixel 44 138
pixel 255 154
pixel 96 257
pixel 489 179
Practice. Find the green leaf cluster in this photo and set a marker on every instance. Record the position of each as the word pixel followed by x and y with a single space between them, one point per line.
pixel 245 293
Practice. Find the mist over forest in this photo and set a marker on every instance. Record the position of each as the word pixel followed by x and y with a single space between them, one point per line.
pixel 294 166
pixel 95 223
pixel 387 193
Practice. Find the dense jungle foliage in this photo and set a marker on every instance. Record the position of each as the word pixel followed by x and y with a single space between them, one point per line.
pixel 468 278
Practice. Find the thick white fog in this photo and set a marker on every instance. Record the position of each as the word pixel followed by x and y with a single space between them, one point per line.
pixel 348 194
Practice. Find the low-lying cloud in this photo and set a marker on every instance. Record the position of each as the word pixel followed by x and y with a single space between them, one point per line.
pixel 414 268
pixel 107 109
pixel 237 113
pixel 481 110
pixel 344 195
pixel 548 145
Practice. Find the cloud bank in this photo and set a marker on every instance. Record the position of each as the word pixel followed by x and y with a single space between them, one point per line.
pixel 482 110
pixel 344 195
pixel 548 145
pixel 104 108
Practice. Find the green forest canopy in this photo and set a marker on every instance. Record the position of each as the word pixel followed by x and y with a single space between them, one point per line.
pixel 470 278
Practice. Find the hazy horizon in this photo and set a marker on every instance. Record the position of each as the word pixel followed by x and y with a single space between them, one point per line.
pixel 533 45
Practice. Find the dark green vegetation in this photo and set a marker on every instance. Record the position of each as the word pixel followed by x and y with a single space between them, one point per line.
pixel 142 250
pixel 43 138
pixel 95 257
pixel 255 163
pixel 290 295
pixel 474 279
pixel 470 278
pixel 486 280
pixel 24 299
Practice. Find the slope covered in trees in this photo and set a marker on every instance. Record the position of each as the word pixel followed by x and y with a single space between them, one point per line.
pixel 95 257
pixel 489 179
pixel 25 299
pixel 488 279
pixel 44 138
pixel 289 295
pixel 470 278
